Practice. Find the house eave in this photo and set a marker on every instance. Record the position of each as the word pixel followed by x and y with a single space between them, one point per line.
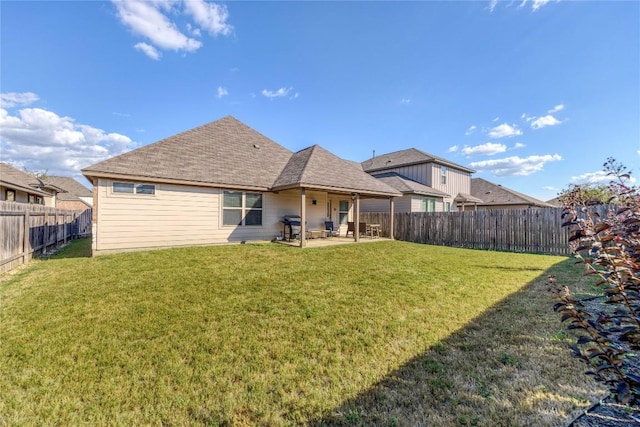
pixel 92 174
pixel 336 190
pixel 24 188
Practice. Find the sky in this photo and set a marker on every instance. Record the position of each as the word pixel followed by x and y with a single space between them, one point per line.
pixel 532 94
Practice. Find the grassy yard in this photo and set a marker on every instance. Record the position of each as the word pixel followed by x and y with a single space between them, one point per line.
pixel 386 333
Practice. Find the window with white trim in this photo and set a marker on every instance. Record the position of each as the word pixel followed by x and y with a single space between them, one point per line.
pixel 443 175
pixel 241 209
pixel 131 188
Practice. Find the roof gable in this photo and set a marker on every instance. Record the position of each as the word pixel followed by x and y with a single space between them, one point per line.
pixel 408 157
pixel 225 152
pixel 492 194
pixel 74 190
pixel 315 167
pixel 408 186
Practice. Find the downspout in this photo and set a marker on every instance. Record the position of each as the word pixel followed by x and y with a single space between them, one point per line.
pixel 391 203
pixel 303 218
pixel 356 208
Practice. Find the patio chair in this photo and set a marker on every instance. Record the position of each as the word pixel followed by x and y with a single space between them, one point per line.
pixel 364 230
pixel 351 228
pixel 331 230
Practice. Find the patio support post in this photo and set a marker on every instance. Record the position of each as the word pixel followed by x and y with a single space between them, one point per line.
pixel 303 218
pixel 391 218
pixel 356 208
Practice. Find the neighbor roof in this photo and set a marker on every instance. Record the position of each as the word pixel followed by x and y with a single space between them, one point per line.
pixel 224 153
pixel 408 186
pixel 13 178
pixel 408 157
pixel 228 153
pixel 74 190
pixel 493 194
pixel 316 167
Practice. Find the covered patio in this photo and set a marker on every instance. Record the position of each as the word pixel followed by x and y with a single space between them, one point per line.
pixel 316 170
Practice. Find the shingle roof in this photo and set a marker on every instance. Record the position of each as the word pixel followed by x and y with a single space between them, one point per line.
pixel 74 190
pixel 17 179
pixel 492 194
pixel 408 186
pixel 225 152
pixel 467 198
pixel 315 167
pixel 228 153
pixel 410 156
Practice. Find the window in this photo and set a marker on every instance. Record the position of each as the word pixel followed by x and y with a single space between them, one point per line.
pixel 447 207
pixel 10 196
pixel 344 212
pixel 131 188
pixel 443 175
pixel 428 204
pixel 240 208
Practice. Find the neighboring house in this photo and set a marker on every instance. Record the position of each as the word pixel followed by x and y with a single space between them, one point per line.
pixel 494 196
pixel 416 197
pixel 22 187
pixel 444 179
pixel 221 182
pixel 77 197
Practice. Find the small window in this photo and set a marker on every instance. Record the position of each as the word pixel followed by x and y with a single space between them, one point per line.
pixel 240 208
pixel 447 207
pixel 145 189
pixel 122 187
pixel 10 196
pixel 443 175
pixel 428 204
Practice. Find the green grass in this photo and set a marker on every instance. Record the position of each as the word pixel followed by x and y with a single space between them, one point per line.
pixel 386 333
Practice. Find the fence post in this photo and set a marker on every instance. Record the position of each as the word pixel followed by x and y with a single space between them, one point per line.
pixel 26 241
pixel 55 230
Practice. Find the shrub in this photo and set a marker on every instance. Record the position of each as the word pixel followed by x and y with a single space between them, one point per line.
pixel 608 245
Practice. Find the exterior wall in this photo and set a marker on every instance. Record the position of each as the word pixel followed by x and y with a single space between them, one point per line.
pixel 179 215
pixel 23 196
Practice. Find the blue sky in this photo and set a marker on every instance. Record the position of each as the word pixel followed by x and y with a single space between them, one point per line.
pixel 534 95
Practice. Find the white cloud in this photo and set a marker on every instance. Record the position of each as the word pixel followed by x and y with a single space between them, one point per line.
pixel 515 165
pixel 222 92
pixel 535 4
pixel 12 99
pixel 295 96
pixel 557 108
pixel 550 188
pixel 492 5
pixel 545 121
pixel 486 149
pixel 405 101
pixel 453 149
pixel 504 130
pixel 151 20
pixel 598 177
pixel 518 145
pixel 495 119
pixel 148 50
pixel 283 91
pixel 210 16
pixel 42 140
pixel 471 129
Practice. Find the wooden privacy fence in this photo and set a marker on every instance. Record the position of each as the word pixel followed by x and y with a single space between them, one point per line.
pixel 28 230
pixel 537 230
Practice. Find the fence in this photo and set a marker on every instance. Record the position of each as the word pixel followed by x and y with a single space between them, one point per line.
pixel 28 230
pixel 537 230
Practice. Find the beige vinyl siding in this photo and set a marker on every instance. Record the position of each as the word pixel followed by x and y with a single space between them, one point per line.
pixel 188 216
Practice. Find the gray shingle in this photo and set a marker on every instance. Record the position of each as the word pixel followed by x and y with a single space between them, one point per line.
pixel 315 167
pixel 492 194
pixel 410 156
pixel 74 190
pixel 225 152
pixel 18 179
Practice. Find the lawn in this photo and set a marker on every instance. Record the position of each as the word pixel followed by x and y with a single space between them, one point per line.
pixel 387 333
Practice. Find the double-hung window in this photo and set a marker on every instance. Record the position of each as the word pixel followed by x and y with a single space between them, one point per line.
pixel 443 175
pixel 344 211
pixel 240 208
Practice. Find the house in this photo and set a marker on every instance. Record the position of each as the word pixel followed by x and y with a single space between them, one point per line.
pixel 76 197
pixel 22 187
pixel 440 180
pixel 494 196
pixel 416 197
pixel 221 182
